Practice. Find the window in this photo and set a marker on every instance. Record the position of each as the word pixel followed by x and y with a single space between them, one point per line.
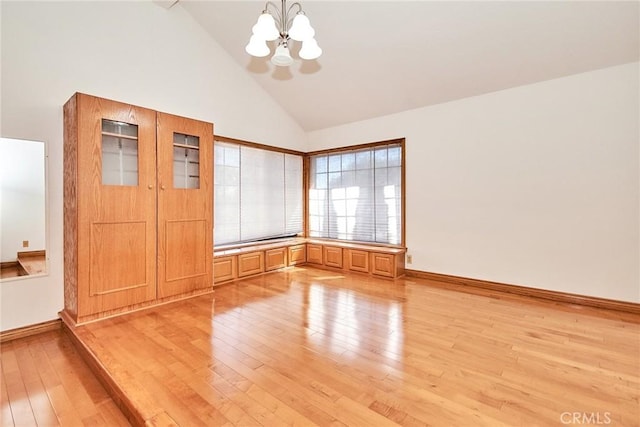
pixel 356 193
pixel 258 193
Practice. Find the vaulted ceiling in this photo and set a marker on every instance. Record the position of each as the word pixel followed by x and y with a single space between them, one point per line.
pixel 383 57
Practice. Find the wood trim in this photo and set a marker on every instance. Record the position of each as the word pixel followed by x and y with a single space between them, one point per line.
pixel 357 146
pixel 403 200
pixel 235 249
pixel 9 264
pixel 102 374
pixel 365 246
pixel 306 176
pixel 90 318
pixel 27 331
pixel 28 254
pixel 256 145
pixel 556 296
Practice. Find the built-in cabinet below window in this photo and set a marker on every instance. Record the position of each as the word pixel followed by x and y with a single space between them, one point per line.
pixel 250 260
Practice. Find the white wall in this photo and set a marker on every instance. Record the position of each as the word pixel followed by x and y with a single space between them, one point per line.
pixel 134 52
pixel 22 197
pixel 535 186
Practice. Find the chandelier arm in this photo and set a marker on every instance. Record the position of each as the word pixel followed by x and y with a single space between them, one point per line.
pixel 277 15
pixel 290 20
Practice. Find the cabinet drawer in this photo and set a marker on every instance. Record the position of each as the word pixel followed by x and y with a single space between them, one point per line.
pixel 250 263
pixel 314 254
pixel 383 264
pixel 358 260
pixel 224 268
pixel 275 258
pixel 333 256
pixel 297 254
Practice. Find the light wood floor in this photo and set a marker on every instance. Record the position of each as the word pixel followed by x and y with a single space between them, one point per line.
pixel 46 383
pixel 312 347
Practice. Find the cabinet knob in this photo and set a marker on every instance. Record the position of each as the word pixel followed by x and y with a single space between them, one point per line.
pixel 150 186
pixel 162 187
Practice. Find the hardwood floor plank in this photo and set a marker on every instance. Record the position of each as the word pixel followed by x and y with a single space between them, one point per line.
pixel 46 383
pixel 6 417
pixel 17 395
pixel 112 415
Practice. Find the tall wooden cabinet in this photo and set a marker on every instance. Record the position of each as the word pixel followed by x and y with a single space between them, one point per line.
pixel 138 207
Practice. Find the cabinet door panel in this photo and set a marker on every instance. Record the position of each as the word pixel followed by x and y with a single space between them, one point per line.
pixel 275 258
pixel 116 243
pixel 186 251
pixel 333 257
pixel 314 254
pixel 117 257
pixel 383 264
pixel 250 264
pixel 224 268
pixel 185 205
pixel 359 260
pixel 297 254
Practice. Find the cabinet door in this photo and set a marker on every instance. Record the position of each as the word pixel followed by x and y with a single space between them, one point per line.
pixel 333 257
pixel 275 259
pixel 358 260
pixel 297 255
pixel 185 205
pixel 224 268
pixel 116 203
pixel 383 264
pixel 250 263
pixel 314 254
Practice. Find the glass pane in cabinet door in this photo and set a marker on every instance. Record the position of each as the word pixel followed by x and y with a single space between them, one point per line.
pixel 186 161
pixel 119 153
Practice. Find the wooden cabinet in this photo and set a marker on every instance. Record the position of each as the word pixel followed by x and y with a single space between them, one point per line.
pixel 250 263
pixel 134 232
pixel 275 259
pixel 333 257
pixel 314 254
pixel 297 255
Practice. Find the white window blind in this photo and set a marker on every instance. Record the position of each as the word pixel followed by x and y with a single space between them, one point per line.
pixel 357 195
pixel 258 193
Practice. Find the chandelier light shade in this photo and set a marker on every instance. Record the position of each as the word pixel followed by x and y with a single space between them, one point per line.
pixel 265 28
pixel 301 28
pixel 310 50
pixel 257 47
pixel 282 57
pixel 282 25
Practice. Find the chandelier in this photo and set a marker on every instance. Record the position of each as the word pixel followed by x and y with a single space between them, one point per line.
pixel 278 24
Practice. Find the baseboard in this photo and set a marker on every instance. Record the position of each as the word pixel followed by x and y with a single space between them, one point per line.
pixel 562 297
pixel 27 331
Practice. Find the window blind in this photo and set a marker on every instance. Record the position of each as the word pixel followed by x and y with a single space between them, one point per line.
pixel 357 195
pixel 257 193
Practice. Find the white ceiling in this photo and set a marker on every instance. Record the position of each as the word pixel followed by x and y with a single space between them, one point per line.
pixel 382 57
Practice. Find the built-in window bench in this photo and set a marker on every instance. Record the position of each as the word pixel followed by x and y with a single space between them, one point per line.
pixel 26 264
pixel 230 263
